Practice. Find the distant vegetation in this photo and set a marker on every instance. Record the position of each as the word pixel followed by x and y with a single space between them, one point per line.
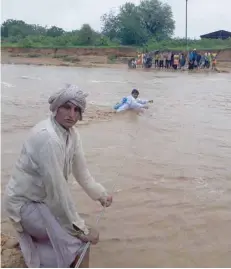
pixel 147 26
pixel 17 33
pixel 180 44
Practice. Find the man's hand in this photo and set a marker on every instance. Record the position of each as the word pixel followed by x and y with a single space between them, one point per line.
pixel 106 201
pixel 145 106
pixel 92 236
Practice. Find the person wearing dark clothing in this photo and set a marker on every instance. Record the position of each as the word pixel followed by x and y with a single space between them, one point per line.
pixel 172 60
pixel 182 60
pixel 198 59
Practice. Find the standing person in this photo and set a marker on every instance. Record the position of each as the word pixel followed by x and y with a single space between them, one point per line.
pixel 182 60
pixel 37 197
pixel 206 60
pixel 169 59
pixel 192 59
pixel 175 61
pixel 144 59
pixel 161 60
pixel 157 60
pixel 165 59
pixel 172 59
pixel 198 59
pixel 214 61
pixel 202 61
pixel 209 59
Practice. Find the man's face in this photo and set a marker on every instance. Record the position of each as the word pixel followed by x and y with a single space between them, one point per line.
pixel 135 95
pixel 67 115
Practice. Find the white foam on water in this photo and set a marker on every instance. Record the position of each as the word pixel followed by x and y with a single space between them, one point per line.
pixel 27 77
pixel 119 190
pixel 102 81
pixel 99 104
pixel 217 79
pixel 6 84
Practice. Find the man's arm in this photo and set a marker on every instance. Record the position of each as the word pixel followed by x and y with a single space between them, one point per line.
pixel 81 173
pixel 137 105
pixel 143 102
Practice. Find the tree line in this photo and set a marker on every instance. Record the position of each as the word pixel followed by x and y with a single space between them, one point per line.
pixel 149 25
pixel 20 33
pixel 132 25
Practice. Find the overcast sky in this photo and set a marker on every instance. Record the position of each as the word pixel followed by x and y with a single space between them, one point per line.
pixel 204 16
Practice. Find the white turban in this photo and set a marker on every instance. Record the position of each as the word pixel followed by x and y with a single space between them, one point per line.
pixel 70 93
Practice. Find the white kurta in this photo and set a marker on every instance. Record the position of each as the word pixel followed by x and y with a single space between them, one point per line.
pixel 132 103
pixel 48 156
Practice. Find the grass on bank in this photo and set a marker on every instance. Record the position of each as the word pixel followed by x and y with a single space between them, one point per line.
pixel 170 44
pixel 180 44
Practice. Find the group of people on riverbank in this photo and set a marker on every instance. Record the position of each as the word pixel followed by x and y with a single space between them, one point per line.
pixel 180 60
pixel 204 60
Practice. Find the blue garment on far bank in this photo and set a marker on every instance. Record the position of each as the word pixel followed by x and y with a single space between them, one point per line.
pixel 192 56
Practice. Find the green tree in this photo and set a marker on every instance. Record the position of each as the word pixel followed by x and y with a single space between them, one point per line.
pixel 157 18
pixel 55 31
pixel 14 28
pixel 131 31
pixel 86 35
pixel 134 25
pixel 39 30
pixel 110 25
pixel 4 31
pixel 11 28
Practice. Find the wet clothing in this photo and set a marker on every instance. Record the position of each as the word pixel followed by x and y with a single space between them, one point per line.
pixel 48 156
pixel 130 102
pixel 43 242
pixel 38 200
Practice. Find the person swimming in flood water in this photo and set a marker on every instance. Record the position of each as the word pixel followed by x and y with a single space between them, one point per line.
pixel 132 102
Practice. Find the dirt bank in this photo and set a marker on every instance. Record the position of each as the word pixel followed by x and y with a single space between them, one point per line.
pixel 224 55
pixel 87 57
pixel 119 52
pixel 11 256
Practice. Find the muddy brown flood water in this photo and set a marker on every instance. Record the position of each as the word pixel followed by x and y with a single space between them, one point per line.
pixel 171 165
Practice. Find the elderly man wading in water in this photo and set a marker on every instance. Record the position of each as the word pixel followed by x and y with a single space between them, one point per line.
pixel 37 198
